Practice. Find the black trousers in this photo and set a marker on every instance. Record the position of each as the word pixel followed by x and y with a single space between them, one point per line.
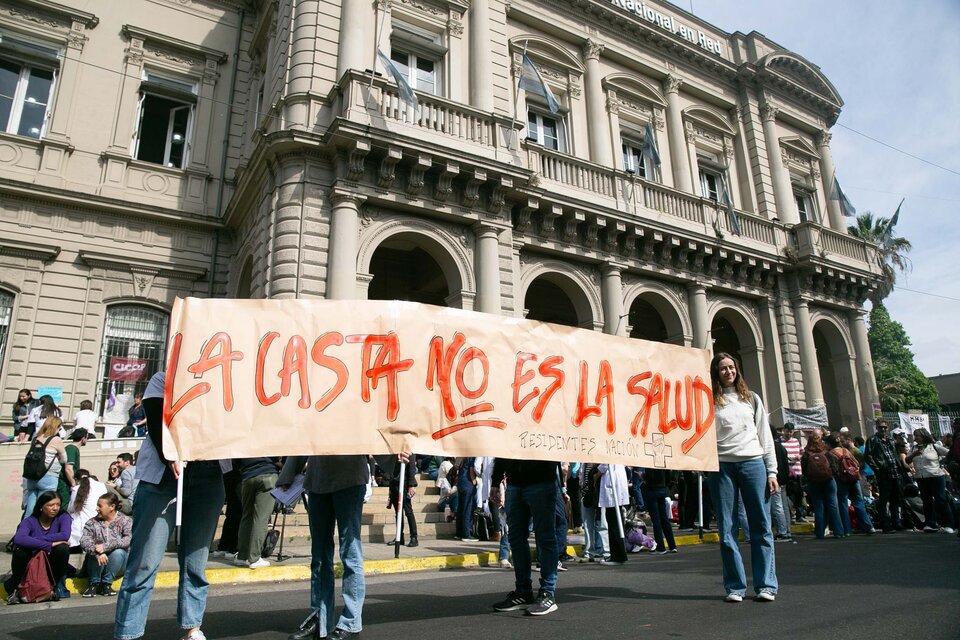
pixel 59 561
pixel 407 511
pixel 618 550
pixel 888 506
pixel 231 522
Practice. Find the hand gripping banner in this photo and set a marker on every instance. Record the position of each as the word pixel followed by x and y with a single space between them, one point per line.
pixel 317 377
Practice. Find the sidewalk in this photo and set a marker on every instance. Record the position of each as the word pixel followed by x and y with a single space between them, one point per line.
pixel 378 560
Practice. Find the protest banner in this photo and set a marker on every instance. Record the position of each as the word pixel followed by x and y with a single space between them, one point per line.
pixel 280 377
pixel 910 422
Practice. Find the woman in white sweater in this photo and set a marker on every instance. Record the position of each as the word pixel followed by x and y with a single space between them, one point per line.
pixel 932 480
pixel 748 465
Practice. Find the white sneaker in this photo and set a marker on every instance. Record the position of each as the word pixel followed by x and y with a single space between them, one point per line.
pixel 949 530
pixel 766 596
pixel 505 564
pixel 733 597
pixel 195 635
pixel 262 562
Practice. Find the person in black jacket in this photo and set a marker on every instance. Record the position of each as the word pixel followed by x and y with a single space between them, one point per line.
pixel 779 502
pixel 658 485
pixel 532 488
pixel 390 466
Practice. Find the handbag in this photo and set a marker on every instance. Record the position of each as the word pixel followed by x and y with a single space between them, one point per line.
pixel 37 582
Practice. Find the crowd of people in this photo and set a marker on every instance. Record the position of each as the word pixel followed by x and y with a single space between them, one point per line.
pixel 768 479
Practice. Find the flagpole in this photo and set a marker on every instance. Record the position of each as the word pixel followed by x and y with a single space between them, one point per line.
pixel 383 21
pixel 516 98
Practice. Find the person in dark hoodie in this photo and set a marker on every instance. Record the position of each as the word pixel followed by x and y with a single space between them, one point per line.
pixel 779 502
pixel 258 477
pixel 532 492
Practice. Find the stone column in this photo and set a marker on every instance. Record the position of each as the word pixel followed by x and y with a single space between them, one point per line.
pixel 612 295
pixel 698 315
pixel 809 367
pixel 354 50
pixel 679 160
pixel 827 173
pixel 487 265
pixel 776 385
pixel 866 378
pixel 343 243
pixel 782 191
pixel 481 63
pixel 596 106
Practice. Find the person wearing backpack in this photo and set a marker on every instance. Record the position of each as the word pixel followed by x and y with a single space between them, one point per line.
pixel 45 458
pixel 748 468
pixel 46 530
pixel 819 468
pixel 848 485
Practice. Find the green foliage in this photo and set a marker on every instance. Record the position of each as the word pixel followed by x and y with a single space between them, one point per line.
pixel 901 384
pixel 891 251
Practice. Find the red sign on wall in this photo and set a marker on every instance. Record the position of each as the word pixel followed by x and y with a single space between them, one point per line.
pixel 127 369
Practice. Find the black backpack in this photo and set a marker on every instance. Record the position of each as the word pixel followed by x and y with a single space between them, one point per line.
pixel 34 464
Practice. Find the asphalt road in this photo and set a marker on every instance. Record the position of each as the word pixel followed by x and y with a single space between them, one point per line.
pixel 902 585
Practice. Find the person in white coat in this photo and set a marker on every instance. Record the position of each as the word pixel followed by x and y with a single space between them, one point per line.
pixel 613 494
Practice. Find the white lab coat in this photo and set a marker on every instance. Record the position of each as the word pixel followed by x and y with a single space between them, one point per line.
pixel 613 485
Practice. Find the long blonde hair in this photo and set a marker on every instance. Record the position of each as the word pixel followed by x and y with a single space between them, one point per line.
pixel 51 427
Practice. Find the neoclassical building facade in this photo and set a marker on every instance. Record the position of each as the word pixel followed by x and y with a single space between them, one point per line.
pixel 261 149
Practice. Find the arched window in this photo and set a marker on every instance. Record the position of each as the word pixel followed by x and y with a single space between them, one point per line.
pixel 134 347
pixel 6 317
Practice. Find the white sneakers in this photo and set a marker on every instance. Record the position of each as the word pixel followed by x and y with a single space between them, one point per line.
pixel 733 597
pixel 196 634
pixel 766 596
pixel 262 562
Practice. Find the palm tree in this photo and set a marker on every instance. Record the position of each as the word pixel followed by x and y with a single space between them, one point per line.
pixel 891 251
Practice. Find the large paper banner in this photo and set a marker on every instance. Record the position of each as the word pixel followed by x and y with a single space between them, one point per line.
pixel 281 377
pixel 910 422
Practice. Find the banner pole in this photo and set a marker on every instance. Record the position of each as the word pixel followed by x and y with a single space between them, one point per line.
pixel 183 470
pixel 402 493
pixel 700 501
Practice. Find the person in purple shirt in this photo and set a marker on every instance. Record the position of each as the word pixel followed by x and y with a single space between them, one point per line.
pixel 46 530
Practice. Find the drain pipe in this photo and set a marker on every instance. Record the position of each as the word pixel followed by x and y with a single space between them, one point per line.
pixel 223 154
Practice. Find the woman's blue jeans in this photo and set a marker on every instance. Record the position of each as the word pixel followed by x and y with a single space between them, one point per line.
pixel 823 496
pixel 154 517
pixel 851 491
pixel 750 479
pixel 107 573
pixel 33 491
pixel 342 509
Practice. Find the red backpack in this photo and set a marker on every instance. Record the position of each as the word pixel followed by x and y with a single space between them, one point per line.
pixel 818 467
pixel 849 468
pixel 37 582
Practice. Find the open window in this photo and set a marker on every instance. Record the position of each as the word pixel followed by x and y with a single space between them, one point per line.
pixel 711 183
pixel 806 204
pixel 546 128
pixel 28 73
pixel 419 55
pixel 6 317
pixel 165 121
pixel 634 161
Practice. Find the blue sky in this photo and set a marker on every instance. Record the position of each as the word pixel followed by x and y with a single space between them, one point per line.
pixel 896 65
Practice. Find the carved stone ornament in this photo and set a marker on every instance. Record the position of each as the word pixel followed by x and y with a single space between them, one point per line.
pixel 659 122
pixel 454 26
pixel 672 84
pixel 498 197
pixel 355 162
pixel 174 57
pixel 768 112
pixel 823 138
pixel 415 181
pixel 592 50
pixel 613 105
pixel 570 231
pixel 369 215
pixel 574 89
pixel 424 7
pixel 547 229
pixel 32 16
pixel 445 183
pixel 388 167
pixel 524 214
pixel 471 190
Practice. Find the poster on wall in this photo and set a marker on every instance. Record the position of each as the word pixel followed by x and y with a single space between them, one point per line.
pixel 806 417
pixel 127 369
pixel 282 377
pixel 54 392
pixel 910 422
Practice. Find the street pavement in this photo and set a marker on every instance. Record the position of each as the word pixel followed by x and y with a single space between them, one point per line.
pixel 902 585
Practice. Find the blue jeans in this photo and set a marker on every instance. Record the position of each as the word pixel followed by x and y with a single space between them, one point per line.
pixel 106 574
pixel 154 517
pixel 823 496
pixel 851 490
pixel 33 491
pixel 780 512
pixel 465 509
pixel 539 502
pixel 503 551
pixel 595 534
pixel 656 501
pixel 749 478
pixel 560 518
pixel 343 509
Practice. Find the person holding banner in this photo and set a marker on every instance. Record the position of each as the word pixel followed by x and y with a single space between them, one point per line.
pixel 335 488
pixel 748 465
pixel 532 490
pixel 154 517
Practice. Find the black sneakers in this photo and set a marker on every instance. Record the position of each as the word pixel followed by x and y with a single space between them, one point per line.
pixel 545 604
pixel 515 601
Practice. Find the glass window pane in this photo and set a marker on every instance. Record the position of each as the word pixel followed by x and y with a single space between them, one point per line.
pixel 6 314
pixel 9 77
pixel 31 119
pixel 532 126
pixel 130 332
pixel 38 87
pixel 550 137
pixel 426 78
pixel 178 137
pixel 402 61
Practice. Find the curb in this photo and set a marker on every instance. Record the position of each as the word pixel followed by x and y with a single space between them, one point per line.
pixel 294 572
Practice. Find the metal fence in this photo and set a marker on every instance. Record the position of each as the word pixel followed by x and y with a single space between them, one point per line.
pixel 893 419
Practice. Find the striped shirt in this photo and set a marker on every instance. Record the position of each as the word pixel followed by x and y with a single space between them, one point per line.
pixel 792 445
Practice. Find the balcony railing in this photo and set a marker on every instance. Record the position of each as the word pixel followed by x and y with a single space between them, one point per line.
pixel 842 244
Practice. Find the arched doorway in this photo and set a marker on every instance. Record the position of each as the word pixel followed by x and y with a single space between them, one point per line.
pixel 836 376
pixel 553 297
pixel 245 281
pixel 731 333
pixel 652 318
pixel 405 271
